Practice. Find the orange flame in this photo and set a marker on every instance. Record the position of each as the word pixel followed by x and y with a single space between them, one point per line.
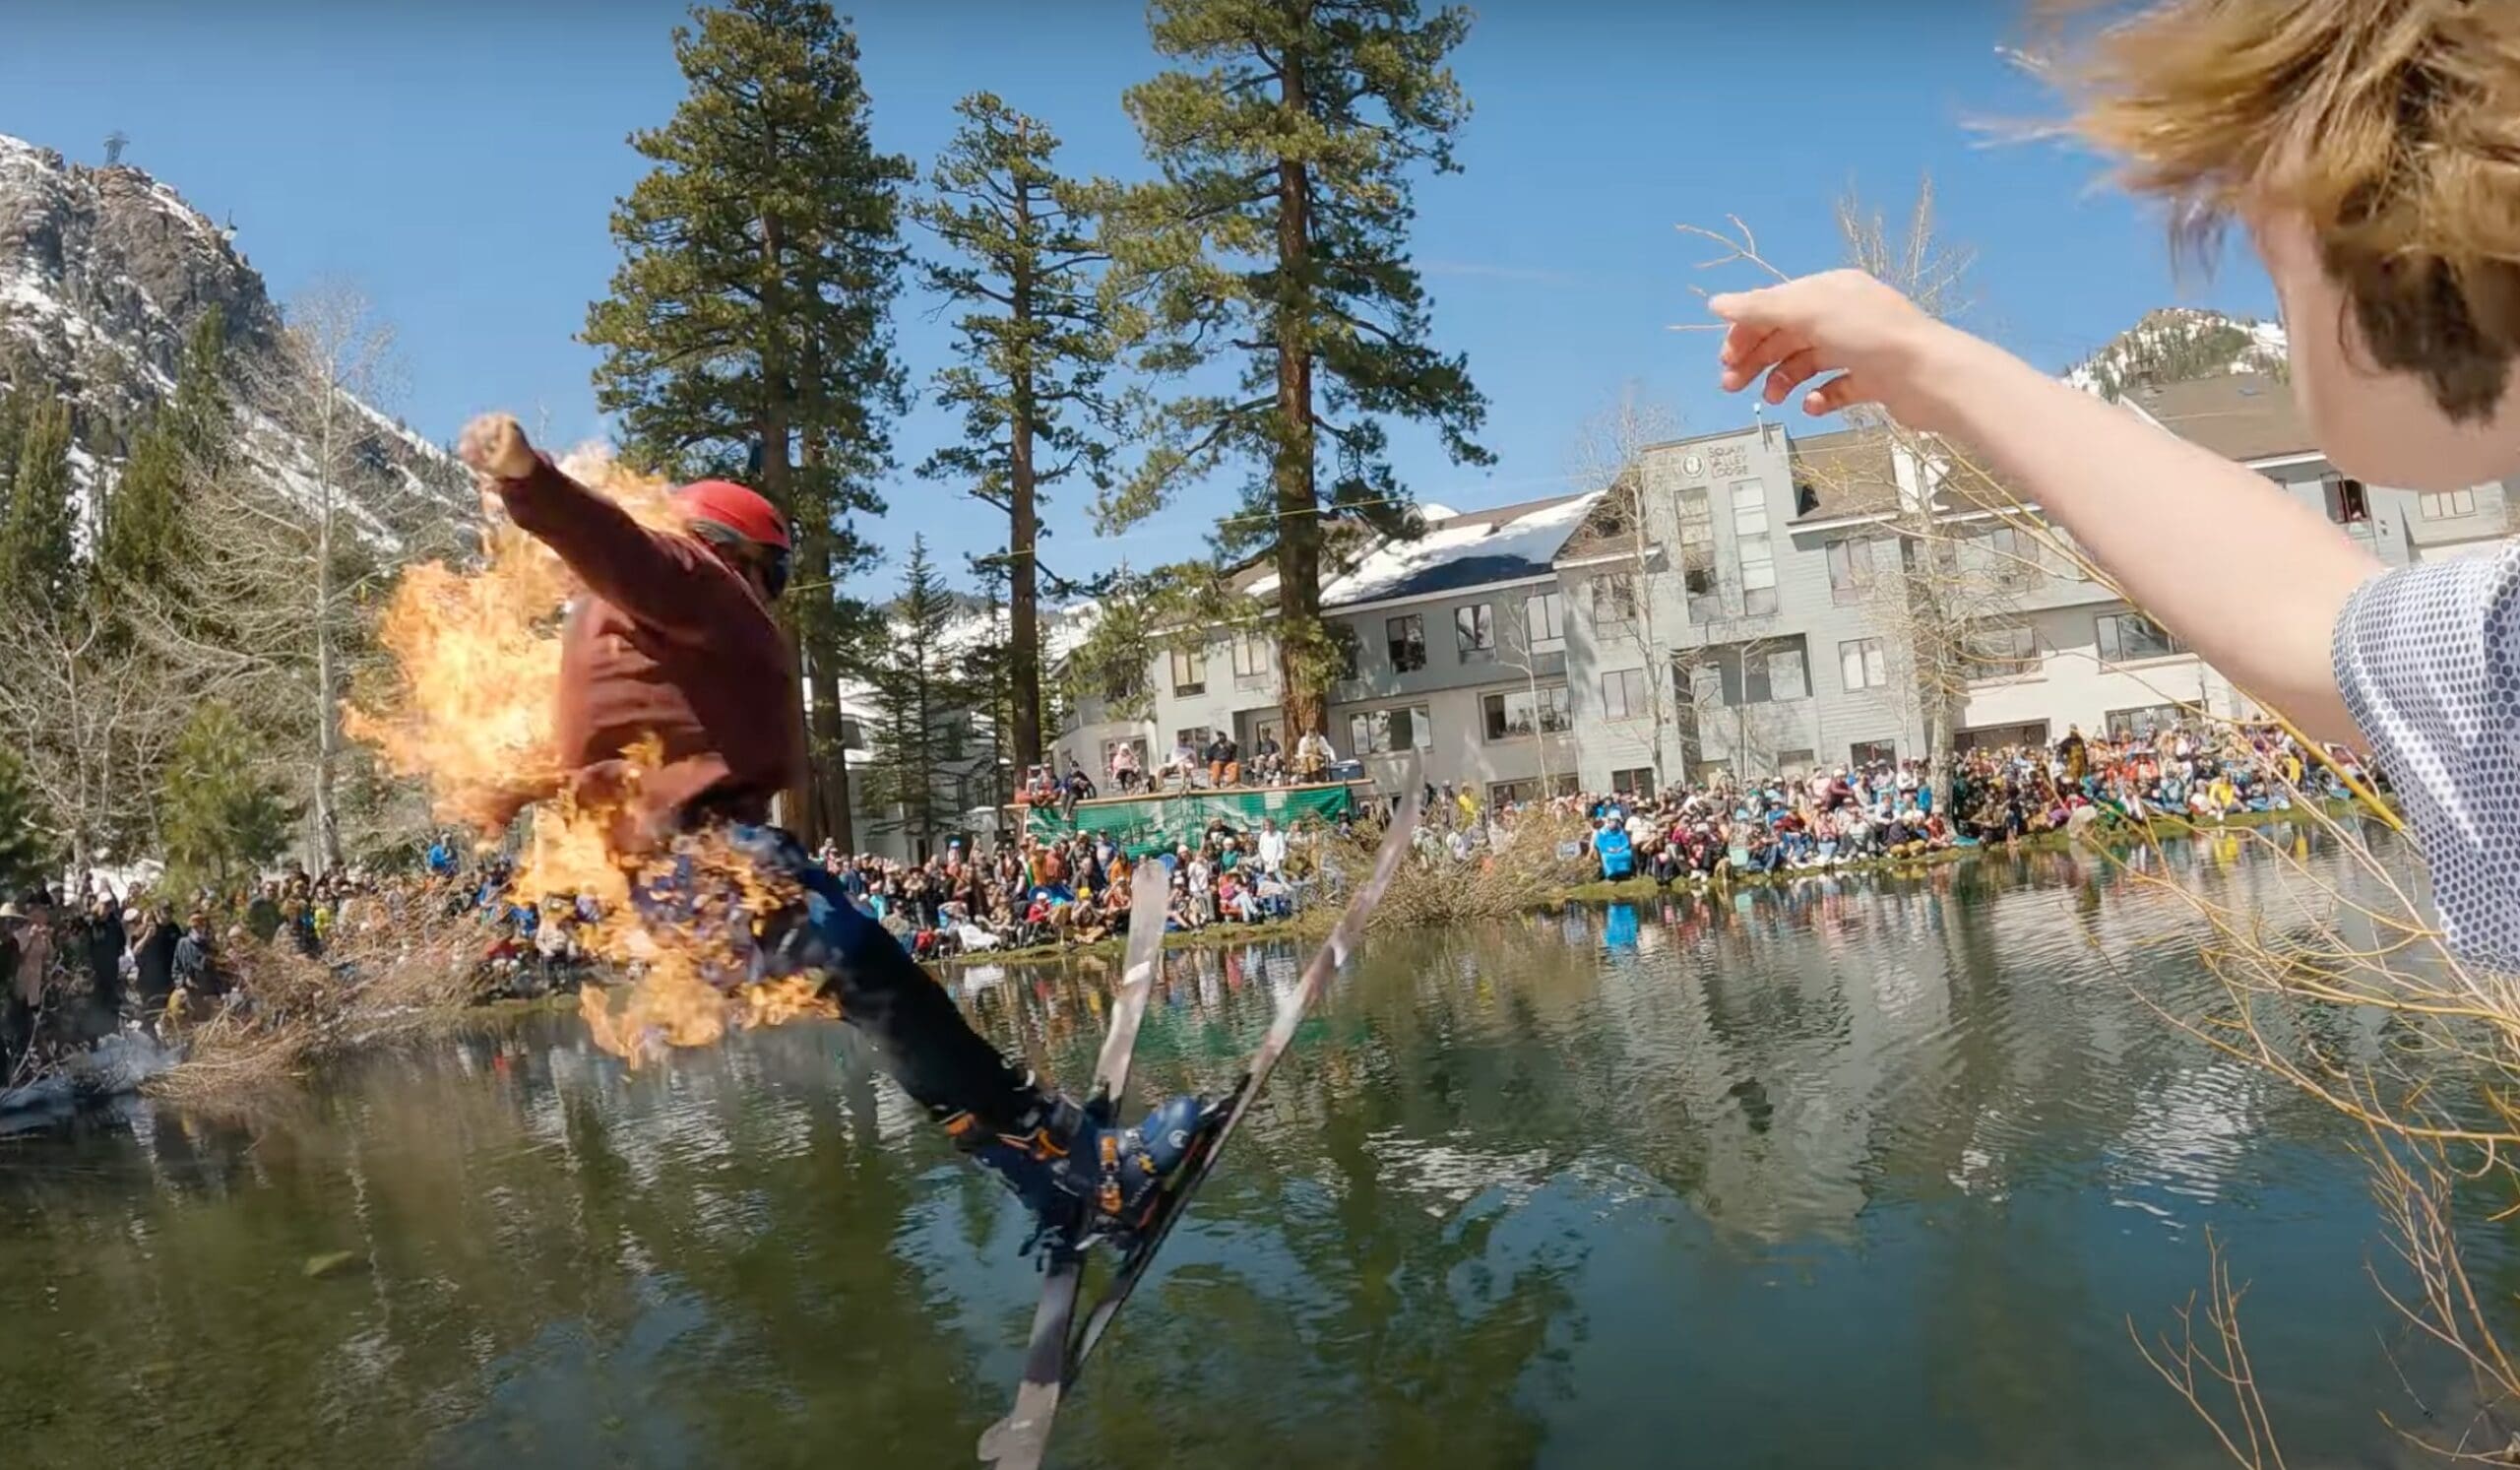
pixel 479 652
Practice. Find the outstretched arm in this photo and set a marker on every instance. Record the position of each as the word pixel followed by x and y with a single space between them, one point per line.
pixel 668 582
pixel 2258 597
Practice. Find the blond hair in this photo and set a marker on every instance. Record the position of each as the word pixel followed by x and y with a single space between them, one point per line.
pixel 2392 126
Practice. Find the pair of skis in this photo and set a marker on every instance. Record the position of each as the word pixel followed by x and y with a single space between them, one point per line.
pixel 1059 1345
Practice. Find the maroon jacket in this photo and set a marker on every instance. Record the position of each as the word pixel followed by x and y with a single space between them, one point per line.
pixel 669 642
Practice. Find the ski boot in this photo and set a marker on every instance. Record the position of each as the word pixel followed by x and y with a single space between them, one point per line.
pixel 1085 1179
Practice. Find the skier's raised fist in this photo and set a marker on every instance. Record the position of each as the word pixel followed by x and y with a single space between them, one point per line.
pixel 493 444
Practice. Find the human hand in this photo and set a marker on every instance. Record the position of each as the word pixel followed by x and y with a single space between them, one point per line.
pixel 494 445
pixel 1844 322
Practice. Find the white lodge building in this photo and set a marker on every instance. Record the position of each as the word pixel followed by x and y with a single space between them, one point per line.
pixel 1542 646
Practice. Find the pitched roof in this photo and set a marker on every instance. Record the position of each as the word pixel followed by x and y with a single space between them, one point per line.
pixel 1470 549
pixel 1846 472
pixel 2241 416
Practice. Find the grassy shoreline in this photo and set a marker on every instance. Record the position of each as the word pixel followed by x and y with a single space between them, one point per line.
pixel 246 1062
pixel 2118 836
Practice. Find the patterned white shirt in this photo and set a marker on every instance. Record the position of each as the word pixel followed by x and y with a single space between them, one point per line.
pixel 2427 657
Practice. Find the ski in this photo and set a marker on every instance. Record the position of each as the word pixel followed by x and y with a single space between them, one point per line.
pixel 1018 1441
pixel 1326 961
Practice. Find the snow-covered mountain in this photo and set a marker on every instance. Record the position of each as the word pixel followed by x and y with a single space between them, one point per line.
pixel 2177 343
pixel 103 273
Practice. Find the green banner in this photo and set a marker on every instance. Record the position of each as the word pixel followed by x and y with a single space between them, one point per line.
pixel 1138 825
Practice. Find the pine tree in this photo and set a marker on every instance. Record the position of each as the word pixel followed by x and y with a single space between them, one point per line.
pixel 1035 349
pixel 218 814
pixel 185 442
pixel 748 318
pixel 37 539
pixel 917 696
pixel 1287 145
pixel 26 855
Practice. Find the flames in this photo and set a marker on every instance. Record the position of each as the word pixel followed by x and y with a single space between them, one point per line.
pixel 477 653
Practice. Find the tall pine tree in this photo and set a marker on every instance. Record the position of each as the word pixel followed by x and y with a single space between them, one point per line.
pixel 748 320
pixel 185 443
pixel 1288 143
pixel 38 536
pixel 219 813
pixel 918 696
pixel 1035 349
pixel 25 844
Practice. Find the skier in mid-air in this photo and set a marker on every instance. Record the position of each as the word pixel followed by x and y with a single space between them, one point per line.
pixel 674 642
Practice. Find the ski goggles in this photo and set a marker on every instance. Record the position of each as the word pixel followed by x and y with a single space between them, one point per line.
pixel 772 561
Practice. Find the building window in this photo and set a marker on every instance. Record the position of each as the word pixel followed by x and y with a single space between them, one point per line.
pixel 1872 753
pixel 1406 637
pixel 1501 792
pixel 1623 694
pixel 2347 503
pixel 2061 555
pixel 1759 672
pixel 1250 655
pixel 2445 504
pixel 1697 555
pixel 1788 678
pixel 1750 541
pixel 852 736
pixel 1850 570
pixel 951 736
pixel 2128 636
pixel 1544 622
pixel 1189 674
pixel 2001 653
pixel 1475 632
pixel 1615 603
pixel 2013 557
pixel 1863 664
pixel 1515 713
pixel 2140 723
pixel 1636 781
pixel 1196 738
pixel 1382 732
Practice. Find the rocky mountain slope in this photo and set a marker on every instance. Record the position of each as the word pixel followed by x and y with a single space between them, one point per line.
pixel 102 273
pixel 2176 344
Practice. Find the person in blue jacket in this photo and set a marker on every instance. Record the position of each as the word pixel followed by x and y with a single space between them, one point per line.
pixel 1611 844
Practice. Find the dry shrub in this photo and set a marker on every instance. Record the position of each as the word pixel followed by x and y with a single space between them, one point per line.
pixel 394 963
pixel 1498 881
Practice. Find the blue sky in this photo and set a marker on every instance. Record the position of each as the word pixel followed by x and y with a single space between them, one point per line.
pixel 458 161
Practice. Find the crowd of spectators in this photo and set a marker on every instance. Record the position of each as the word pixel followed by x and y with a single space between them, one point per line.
pixel 1219 765
pixel 1076 890
pixel 79 967
pixel 1886 811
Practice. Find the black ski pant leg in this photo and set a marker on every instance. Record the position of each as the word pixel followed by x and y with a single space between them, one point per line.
pixel 914 1022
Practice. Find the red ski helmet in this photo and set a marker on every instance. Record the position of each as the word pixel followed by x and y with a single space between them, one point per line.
pixel 722 511
pixel 725 504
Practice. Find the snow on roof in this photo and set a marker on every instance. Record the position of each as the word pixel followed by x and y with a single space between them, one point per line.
pixel 1460 550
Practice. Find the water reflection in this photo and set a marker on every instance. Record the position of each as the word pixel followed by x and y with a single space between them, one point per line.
pixel 1865 1170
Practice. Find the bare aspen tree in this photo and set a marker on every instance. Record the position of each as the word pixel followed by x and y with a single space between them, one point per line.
pixel 92 719
pixel 1939 604
pixel 1608 459
pixel 335 354
pixel 1736 651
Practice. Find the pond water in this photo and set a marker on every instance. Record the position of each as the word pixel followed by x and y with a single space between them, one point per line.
pixel 1873 1173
